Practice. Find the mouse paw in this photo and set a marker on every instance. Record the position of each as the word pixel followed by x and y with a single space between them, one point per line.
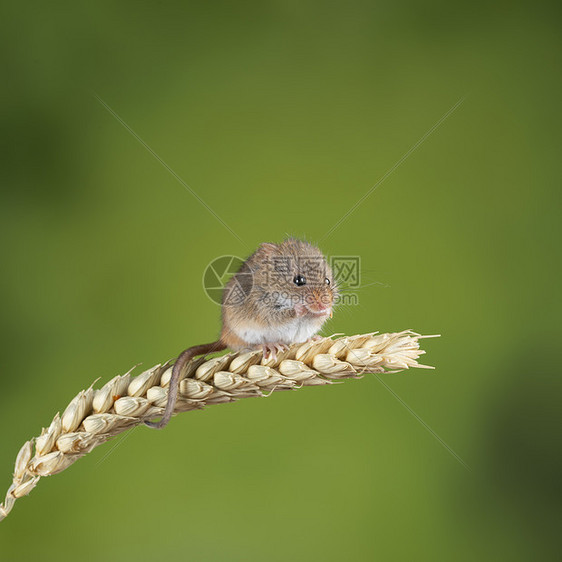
pixel 270 350
pixel 300 310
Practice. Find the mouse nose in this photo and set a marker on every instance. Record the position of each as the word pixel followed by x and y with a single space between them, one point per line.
pixel 320 303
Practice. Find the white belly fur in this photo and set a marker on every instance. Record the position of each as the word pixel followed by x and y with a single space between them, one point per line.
pixel 297 330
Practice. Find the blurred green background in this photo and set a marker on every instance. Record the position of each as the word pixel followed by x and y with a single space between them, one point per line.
pixel 281 115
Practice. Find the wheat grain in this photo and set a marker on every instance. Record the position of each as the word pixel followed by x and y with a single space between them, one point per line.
pixel 94 416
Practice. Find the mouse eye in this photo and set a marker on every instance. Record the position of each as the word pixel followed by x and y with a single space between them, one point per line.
pixel 299 280
pixel 327 281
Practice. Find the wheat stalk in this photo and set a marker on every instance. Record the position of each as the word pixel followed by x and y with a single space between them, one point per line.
pixel 94 416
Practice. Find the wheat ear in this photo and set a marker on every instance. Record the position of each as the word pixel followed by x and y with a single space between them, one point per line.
pixel 94 416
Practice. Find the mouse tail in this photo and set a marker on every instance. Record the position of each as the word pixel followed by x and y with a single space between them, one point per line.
pixel 181 362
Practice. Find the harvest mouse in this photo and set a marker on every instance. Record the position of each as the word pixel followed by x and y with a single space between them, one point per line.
pixel 282 294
